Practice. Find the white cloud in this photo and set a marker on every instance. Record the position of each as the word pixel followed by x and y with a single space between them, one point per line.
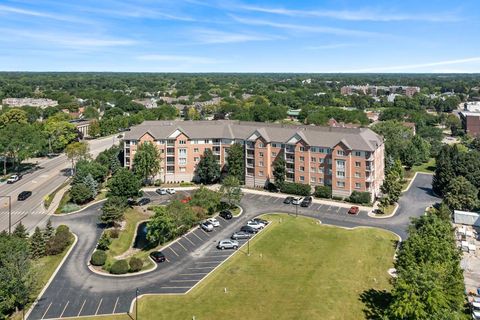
pixel 178 58
pixel 409 67
pixel 207 36
pixel 38 14
pixel 304 28
pixel 359 15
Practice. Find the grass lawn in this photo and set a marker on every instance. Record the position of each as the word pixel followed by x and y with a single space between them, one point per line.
pixel 125 239
pixel 65 206
pixel 298 269
pixel 428 167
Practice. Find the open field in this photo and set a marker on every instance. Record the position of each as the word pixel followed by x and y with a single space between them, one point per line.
pixel 298 269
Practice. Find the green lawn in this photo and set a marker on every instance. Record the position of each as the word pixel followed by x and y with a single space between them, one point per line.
pixel 298 269
pixel 428 167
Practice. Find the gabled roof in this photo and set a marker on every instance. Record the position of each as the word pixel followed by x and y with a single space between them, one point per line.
pixel 353 138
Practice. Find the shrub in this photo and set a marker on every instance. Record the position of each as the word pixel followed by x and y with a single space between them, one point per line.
pixel 360 197
pixel 299 189
pixel 69 207
pixel 337 198
pixel 80 193
pixel 157 183
pixel 98 258
pixel 186 184
pixel 119 267
pixel 104 242
pixel 135 264
pixel 114 233
pixel 323 192
pixel 60 241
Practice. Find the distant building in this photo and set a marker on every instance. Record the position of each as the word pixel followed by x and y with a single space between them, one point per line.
pixel 293 113
pixel 20 102
pixel 147 103
pixel 470 122
pixel 82 126
pixel 374 90
pixel 335 124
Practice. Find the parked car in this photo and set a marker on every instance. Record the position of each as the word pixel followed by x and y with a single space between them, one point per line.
pixel 256 224
pixel 240 235
pixel 226 214
pixel 262 221
pixel 158 256
pixel 270 187
pixel 162 191
pixel 307 201
pixel 354 210
pixel 249 229
pixel 24 195
pixel 214 222
pixel 14 178
pixel 288 200
pixel 297 201
pixel 171 191
pixel 186 200
pixel 206 226
pixel 143 201
pixel 227 244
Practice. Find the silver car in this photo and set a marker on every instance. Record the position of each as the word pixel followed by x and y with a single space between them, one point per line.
pixel 227 244
pixel 240 235
pixel 206 226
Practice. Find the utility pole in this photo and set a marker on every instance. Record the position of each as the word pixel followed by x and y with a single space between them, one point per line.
pixel 136 304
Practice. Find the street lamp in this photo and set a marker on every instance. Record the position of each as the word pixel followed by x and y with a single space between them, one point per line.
pixel 136 304
pixel 9 213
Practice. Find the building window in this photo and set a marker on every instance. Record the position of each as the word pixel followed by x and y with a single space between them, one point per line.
pixel 195 149
pixel 183 169
pixel 302 149
pixel 261 145
pixel 358 185
pixel 313 179
pixel 321 160
pixel 357 164
pixel 260 173
pixel 340 164
pixel 260 163
pixel 357 175
pixel 274 154
pixel 341 174
pixel 182 152
pixel 340 184
pixel 358 153
pixel 312 169
pixel 182 161
pixel 302 158
pixel 340 153
pixel 196 159
pixel 260 154
pixel 302 178
pixel 182 142
pixel 302 169
pixel 313 159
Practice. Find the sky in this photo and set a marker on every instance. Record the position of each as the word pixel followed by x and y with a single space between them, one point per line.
pixel 392 36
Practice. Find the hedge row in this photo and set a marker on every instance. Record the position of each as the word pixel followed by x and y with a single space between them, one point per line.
pixel 299 189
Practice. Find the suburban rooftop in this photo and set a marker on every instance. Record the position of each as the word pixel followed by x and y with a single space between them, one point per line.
pixel 321 136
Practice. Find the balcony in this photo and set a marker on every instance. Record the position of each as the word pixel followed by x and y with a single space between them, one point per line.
pixel 250 154
pixel 290 150
pixel 369 178
pixel 290 159
pixel 369 157
pixel 250 145
pixel 250 164
pixel 369 168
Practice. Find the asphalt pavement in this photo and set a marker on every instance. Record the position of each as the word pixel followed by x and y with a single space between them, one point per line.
pixel 77 291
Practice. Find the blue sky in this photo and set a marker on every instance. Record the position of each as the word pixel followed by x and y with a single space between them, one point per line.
pixel 240 36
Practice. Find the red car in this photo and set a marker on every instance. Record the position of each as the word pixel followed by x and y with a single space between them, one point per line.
pixel 186 200
pixel 354 210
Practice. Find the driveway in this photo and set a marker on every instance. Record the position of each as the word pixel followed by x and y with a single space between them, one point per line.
pixel 76 291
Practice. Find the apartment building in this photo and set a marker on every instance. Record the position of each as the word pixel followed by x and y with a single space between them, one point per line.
pixel 20 102
pixel 348 159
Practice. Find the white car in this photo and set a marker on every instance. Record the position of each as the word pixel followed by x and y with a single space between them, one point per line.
pixel 206 226
pixel 13 179
pixel 297 201
pixel 162 191
pixel 255 225
pixel 171 191
pixel 262 223
pixel 214 222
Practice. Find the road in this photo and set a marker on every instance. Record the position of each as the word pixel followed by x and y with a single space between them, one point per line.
pixel 77 291
pixel 49 175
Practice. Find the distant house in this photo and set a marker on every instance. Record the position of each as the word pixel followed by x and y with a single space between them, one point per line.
pixel 335 124
pixel 293 114
pixel 410 125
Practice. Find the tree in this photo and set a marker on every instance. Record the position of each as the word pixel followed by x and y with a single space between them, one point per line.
pixel 113 210
pixel 80 193
pixel 84 168
pixel 206 199
pixel 146 162
pixel 454 123
pixel 279 170
pixel 20 231
pixel 60 133
pixel 91 184
pixel 16 273
pixel 14 115
pixel 37 244
pixel 392 187
pixel 208 168
pixel 161 227
pixel 124 184
pixel 231 190
pixel 94 129
pixel 444 171
pixel 76 151
pixel 49 230
pixel 460 194
pixel 236 162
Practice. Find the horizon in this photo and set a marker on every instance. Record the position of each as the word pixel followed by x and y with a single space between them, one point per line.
pixel 259 36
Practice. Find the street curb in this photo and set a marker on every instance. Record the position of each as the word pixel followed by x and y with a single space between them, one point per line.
pixel 126 275
pixel 132 305
pixel 78 211
pixel 372 215
pixel 52 276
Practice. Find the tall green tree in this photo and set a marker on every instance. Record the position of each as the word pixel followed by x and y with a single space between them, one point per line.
pixel 60 133
pixel 460 194
pixel 392 187
pixel 208 168
pixel 113 210
pixel 444 171
pixel 20 231
pixel 14 115
pixel 147 162
pixel 279 170
pixel 76 151
pixel 37 244
pixel 206 199
pixel 236 162
pixel 124 184
pixel 231 190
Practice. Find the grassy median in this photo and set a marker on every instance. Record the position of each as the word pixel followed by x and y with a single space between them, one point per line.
pixel 298 269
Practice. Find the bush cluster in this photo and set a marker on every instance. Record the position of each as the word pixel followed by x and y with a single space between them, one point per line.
pixel 360 197
pixel 135 264
pixel 98 258
pixel 104 242
pixel 299 189
pixel 323 192
pixel 119 267
pixel 60 241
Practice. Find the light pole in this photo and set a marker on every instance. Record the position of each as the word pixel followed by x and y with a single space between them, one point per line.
pixel 136 304
pixel 9 213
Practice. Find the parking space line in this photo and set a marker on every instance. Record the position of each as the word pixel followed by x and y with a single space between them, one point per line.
pixel 184 280
pixel 339 209
pixel 218 256
pixel 166 259
pixel 65 308
pixel 99 306
pixel 186 238
pixel 175 287
pixel 205 232
pixel 173 251
pixel 48 308
pixel 200 268
pixel 329 208
pixel 193 274
pixel 197 236
pixel 115 306
pixel 208 262
pixel 181 245
pixel 81 308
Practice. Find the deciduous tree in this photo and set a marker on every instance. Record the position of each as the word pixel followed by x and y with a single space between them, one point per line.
pixel 146 162
pixel 208 168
